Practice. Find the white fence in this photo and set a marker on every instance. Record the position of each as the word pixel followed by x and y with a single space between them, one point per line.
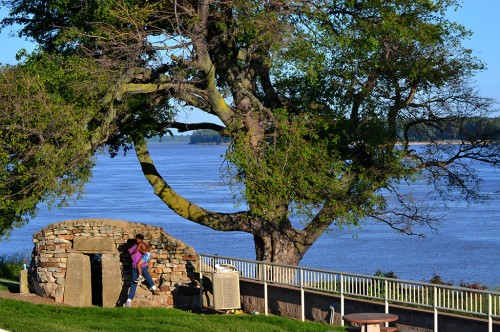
pixel 439 298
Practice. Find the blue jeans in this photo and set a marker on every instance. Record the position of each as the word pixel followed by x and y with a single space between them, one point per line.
pixel 133 286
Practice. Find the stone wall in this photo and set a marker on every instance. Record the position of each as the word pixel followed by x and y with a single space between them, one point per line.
pixel 60 266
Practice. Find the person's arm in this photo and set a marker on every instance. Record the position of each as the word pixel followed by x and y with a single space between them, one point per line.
pixel 142 247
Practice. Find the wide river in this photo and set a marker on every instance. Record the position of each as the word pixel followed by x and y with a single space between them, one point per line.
pixel 466 246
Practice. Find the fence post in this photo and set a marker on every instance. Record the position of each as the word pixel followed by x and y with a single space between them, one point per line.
pixel 386 298
pixel 435 305
pixel 341 299
pixel 201 281
pixel 302 304
pixel 264 276
pixel 490 314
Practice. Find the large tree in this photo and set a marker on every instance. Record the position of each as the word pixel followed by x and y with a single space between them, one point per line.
pixel 319 98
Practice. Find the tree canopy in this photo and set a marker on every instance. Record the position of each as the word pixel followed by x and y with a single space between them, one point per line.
pixel 319 98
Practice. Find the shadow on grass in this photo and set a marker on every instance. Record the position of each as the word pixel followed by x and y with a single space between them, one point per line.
pixel 11 286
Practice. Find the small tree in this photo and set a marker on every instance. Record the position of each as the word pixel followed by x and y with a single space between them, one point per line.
pixel 318 97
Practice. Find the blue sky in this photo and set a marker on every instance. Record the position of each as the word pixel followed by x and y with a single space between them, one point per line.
pixel 480 16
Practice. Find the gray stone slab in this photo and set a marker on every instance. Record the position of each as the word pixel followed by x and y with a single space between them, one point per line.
pixel 111 279
pixel 78 287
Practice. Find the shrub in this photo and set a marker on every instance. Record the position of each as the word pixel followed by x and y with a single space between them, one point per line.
pixel 436 279
pixel 473 285
pixel 388 274
pixel 10 267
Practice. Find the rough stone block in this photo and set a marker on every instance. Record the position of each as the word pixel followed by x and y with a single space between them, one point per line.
pixel 59 294
pixel 60 241
pixel 95 245
pixel 23 282
pixel 45 277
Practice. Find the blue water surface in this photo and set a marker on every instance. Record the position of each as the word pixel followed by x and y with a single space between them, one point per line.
pixel 466 246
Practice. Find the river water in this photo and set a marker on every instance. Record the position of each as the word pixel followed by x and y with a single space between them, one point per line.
pixel 466 246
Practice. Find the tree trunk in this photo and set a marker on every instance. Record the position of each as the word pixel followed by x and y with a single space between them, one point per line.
pixel 279 247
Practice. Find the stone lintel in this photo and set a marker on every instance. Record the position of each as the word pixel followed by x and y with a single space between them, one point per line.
pixel 94 245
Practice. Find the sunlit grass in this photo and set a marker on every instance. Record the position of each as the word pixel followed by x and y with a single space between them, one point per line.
pixel 24 316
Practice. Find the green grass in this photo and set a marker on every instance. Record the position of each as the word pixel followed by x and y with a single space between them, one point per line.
pixel 10 266
pixel 9 272
pixel 23 316
pixel 9 285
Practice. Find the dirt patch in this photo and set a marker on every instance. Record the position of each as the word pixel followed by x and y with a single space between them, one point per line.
pixel 32 298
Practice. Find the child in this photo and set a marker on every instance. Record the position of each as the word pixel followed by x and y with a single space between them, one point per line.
pixel 143 248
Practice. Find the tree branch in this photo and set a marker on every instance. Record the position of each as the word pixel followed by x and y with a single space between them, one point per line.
pixel 239 221
pixel 183 127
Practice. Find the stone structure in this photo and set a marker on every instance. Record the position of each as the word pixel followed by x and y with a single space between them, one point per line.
pixel 85 262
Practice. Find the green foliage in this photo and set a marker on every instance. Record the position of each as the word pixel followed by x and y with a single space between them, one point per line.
pixel 437 279
pixel 276 176
pixel 302 168
pixel 388 274
pixel 10 267
pixel 47 106
pixel 378 51
pixel 22 316
pixel 296 167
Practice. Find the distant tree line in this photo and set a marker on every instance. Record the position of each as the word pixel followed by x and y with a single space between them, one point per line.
pixel 170 139
pixel 418 133
pixel 467 127
pixel 208 136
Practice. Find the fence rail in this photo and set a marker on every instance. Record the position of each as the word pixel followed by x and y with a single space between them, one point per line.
pixel 440 298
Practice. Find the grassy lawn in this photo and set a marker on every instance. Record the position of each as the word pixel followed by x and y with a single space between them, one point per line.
pixel 9 285
pixel 23 316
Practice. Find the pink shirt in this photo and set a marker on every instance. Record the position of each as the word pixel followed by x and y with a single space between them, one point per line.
pixel 135 256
